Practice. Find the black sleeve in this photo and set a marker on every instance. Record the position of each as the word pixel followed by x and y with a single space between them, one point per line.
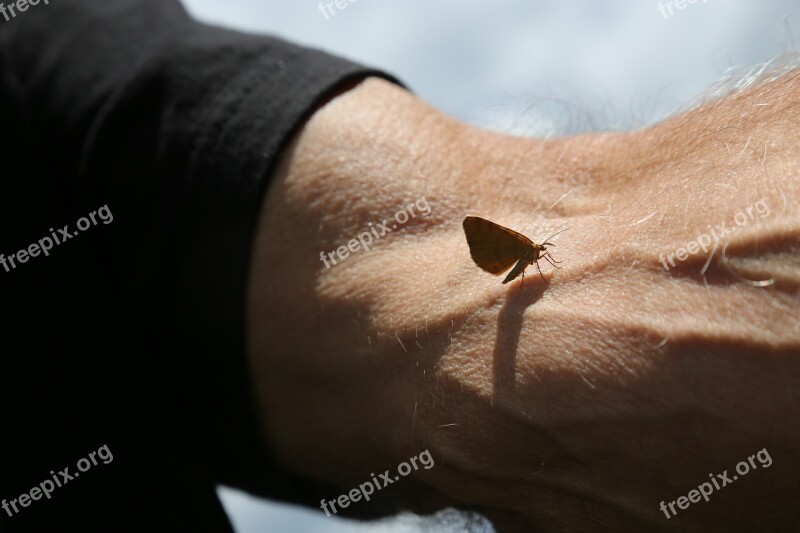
pixel 139 143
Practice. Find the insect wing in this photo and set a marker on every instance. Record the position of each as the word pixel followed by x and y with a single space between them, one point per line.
pixel 493 247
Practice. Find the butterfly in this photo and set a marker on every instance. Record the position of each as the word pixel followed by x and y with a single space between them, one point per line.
pixel 496 248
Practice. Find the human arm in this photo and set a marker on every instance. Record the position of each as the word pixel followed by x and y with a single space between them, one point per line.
pixel 585 400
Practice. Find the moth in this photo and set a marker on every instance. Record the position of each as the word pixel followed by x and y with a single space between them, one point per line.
pixel 496 248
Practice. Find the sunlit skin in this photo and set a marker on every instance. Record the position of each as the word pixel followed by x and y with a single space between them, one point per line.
pixel 579 404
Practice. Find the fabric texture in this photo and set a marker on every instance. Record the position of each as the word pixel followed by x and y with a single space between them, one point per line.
pixel 130 333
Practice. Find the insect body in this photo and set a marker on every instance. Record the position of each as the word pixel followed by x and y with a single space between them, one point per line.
pixel 495 248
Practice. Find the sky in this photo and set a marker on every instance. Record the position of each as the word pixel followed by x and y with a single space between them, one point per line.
pixel 523 67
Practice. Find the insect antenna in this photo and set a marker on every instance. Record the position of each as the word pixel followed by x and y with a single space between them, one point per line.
pixel 546 241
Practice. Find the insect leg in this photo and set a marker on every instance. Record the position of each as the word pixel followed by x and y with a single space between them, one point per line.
pixel 540 271
pixel 551 261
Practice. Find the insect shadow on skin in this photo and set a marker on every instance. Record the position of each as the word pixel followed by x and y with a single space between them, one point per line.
pixel 496 248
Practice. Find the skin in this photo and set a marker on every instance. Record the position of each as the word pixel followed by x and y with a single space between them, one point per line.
pixel 571 404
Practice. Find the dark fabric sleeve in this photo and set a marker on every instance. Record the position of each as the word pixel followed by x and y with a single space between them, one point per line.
pixel 175 127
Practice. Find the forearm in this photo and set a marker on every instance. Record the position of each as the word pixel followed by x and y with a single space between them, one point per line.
pixel 410 345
